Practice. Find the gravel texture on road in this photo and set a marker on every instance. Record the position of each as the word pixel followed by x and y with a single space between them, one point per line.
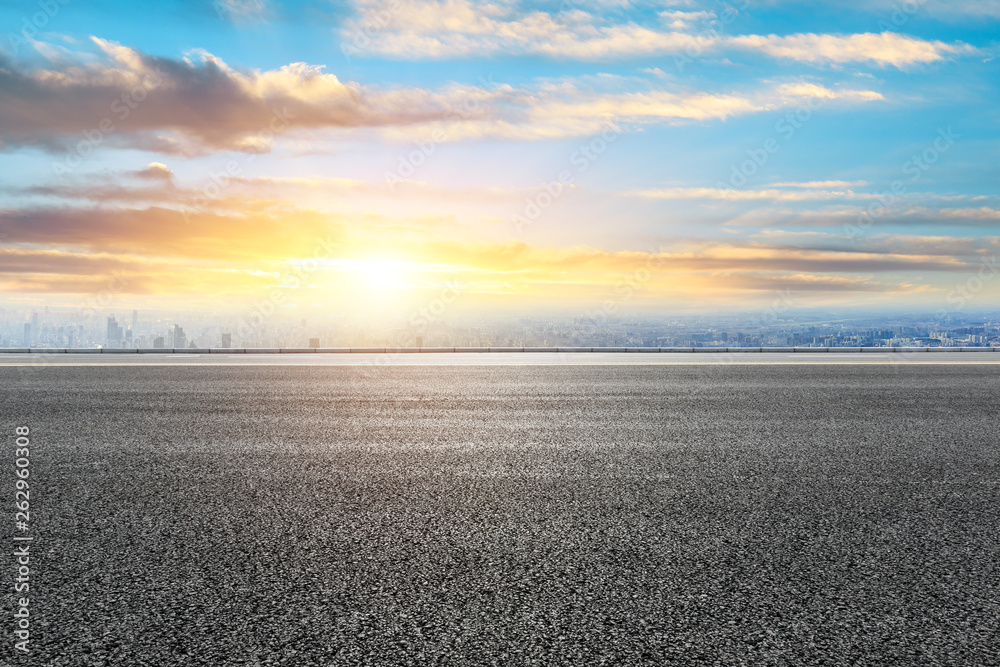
pixel 509 515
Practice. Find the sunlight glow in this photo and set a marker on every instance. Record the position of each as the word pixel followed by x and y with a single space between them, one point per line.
pixel 378 274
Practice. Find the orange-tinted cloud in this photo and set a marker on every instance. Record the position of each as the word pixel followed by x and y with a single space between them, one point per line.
pixel 126 98
pixel 133 99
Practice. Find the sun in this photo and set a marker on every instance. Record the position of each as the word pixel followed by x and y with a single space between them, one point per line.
pixel 381 275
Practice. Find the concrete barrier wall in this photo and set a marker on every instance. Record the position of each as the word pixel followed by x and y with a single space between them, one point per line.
pixel 449 350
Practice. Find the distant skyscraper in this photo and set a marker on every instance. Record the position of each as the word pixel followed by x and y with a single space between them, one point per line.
pixel 227 340
pixel 158 343
pixel 178 339
pixel 27 334
pixel 115 335
pixel 135 319
pixel 314 342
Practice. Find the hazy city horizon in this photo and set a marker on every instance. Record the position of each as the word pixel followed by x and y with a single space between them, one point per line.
pixel 770 327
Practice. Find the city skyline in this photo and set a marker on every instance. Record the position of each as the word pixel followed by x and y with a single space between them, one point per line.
pixel 779 325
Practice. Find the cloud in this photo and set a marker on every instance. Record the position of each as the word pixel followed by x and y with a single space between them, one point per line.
pixel 960 250
pixel 463 28
pixel 261 193
pixel 241 11
pixel 156 171
pixel 817 191
pixel 730 194
pixel 681 20
pixel 158 232
pixel 14 260
pixel 124 98
pixel 569 110
pixel 904 213
pixel 805 90
pixel 887 48
pixel 172 106
pixel 812 283
pixel 981 213
pixel 822 184
pixel 241 253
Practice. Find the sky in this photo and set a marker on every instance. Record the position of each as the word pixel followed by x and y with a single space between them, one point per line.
pixel 367 157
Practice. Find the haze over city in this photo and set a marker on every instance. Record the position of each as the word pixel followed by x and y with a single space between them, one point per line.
pixel 779 325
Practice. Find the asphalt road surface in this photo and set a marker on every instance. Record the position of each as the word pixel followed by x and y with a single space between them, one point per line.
pixel 899 357
pixel 508 514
